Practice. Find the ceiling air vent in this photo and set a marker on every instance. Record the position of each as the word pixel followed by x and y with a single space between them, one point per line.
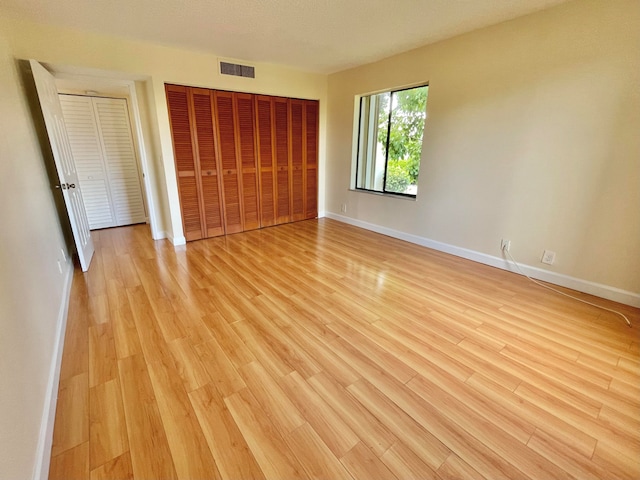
pixel 237 70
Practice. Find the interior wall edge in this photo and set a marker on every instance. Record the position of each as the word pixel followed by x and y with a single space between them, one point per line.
pixel 45 440
pixel 177 240
pixel 598 289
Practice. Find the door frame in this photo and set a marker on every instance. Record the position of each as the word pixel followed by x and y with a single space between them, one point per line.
pixel 144 164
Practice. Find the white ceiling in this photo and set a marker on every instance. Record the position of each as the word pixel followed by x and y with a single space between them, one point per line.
pixel 315 35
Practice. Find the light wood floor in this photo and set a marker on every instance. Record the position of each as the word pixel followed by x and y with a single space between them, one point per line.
pixel 319 350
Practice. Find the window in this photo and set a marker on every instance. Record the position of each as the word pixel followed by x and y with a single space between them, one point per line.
pixel 390 141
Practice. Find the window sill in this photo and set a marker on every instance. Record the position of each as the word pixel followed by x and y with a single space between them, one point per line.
pixel 383 194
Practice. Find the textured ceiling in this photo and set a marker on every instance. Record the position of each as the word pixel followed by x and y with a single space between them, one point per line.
pixel 314 35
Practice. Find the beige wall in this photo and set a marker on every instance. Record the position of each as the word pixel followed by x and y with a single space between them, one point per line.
pixel 31 286
pixel 159 65
pixel 533 134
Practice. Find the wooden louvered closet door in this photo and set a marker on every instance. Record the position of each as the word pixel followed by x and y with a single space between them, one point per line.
pixel 185 160
pixel 297 168
pixel 243 161
pixel 266 177
pixel 246 149
pixel 311 158
pixel 281 127
pixel 229 162
pixel 206 157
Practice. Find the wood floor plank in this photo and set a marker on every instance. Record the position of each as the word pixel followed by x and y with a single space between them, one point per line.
pixel 612 461
pixel 72 414
pixel 224 376
pixel 373 433
pixel 70 464
pixel 393 401
pixel 489 433
pixel 314 455
pixel 404 463
pixel 191 455
pixel 102 354
pixel 333 431
pixel 75 356
pixel 269 449
pixel 225 440
pixel 362 463
pixel 273 400
pixel 107 428
pixel 454 468
pixel 572 462
pixel 188 364
pixel 144 425
pixel 323 355
pixel 615 438
pixel 320 350
pixel 429 448
pixel 125 334
pixel 570 436
pixel 119 468
pixel 233 346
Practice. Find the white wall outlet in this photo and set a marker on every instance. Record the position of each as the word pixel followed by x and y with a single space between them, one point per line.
pixel 64 255
pixel 343 208
pixel 60 267
pixel 505 245
pixel 548 257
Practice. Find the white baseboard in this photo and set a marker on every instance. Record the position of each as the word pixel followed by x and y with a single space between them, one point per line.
pixel 177 240
pixel 158 234
pixel 592 288
pixel 43 452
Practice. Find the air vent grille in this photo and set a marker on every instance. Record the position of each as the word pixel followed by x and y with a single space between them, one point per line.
pixel 237 70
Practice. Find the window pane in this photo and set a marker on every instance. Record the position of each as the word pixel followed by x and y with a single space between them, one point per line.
pixel 408 114
pixel 390 140
pixel 382 120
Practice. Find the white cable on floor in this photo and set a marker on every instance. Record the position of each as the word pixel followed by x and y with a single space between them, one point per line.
pixel 562 293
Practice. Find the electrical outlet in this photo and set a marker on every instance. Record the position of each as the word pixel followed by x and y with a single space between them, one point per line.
pixel 343 208
pixel 505 245
pixel 60 267
pixel 64 255
pixel 548 257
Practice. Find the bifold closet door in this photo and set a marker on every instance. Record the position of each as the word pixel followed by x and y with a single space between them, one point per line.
pixel 297 165
pixel 266 159
pixel 102 145
pixel 246 153
pixel 311 158
pixel 180 117
pixel 84 138
pixel 112 115
pixel 281 136
pixel 201 101
pixel 229 162
pixel 191 113
pixel 243 161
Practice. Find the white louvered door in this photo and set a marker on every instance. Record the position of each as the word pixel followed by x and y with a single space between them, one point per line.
pixel 112 116
pixel 90 165
pixel 102 144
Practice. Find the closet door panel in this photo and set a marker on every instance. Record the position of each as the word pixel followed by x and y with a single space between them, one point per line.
pixel 265 131
pixel 245 128
pixel 311 158
pixel 231 178
pixel 297 160
pixel 112 115
pixel 183 151
pixel 281 121
pixel 202 102
pixel 87 154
